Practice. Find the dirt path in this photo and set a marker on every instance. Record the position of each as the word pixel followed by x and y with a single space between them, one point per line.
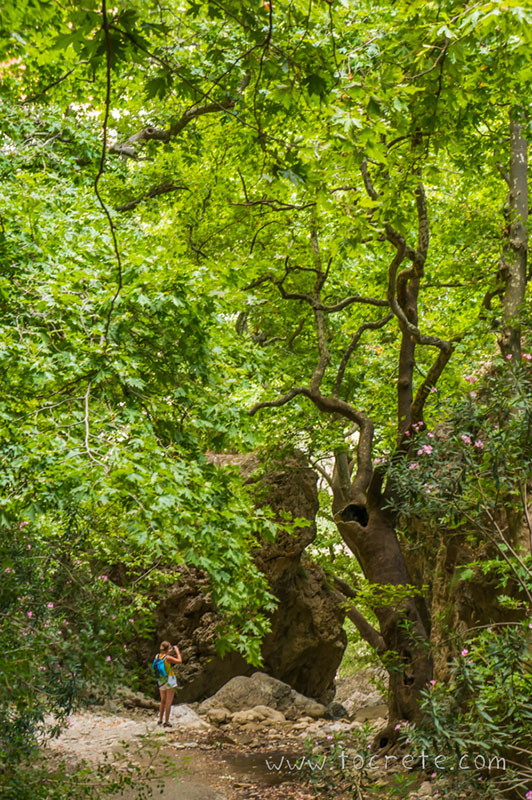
pixel 209 765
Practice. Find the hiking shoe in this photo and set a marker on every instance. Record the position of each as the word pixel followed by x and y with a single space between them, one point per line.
pixel 167 725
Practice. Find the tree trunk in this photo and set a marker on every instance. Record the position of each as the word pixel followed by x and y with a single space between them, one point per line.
pixel 369 533
pixel 514 260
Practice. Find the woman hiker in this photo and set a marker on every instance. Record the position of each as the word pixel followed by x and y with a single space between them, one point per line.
pixel 167 686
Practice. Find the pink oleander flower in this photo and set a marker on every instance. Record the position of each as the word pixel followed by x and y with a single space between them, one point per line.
pixel 108 658
pixel 432 682
pixel 434 389
pixel 430 435
pixel 465 438
pixel 479 444
pixel 464 653
pixel 473 394
pixel 528 795
pixel 509 357
pixel 528 357
pixel 471 378
pixel 49 605
pixel 427 448
pixel 413 465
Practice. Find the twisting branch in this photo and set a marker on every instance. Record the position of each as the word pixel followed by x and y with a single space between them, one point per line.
pixel 406 326
pixel 129 149
pixel 350 349
pixel 429 382
pixel 333 405
pixel 164 188
pixel 275 205
pixel 347 301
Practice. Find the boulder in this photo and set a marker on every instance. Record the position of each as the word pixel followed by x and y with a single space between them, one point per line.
pixel 258 714
pixel 217 716
pixel 183 716
pixel 307 640
pixel 243 693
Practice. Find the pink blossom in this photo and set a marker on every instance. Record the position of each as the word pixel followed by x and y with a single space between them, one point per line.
pixel 430 435
pixel 479 444
pixel 473 394
pixel 29 614
pixel 103 577
pixel 413 465
pixel 432 683
pixel 465 438
pixel 22 525
pixel 528 795
pixel 427 448
pixel 471 378
pixel 407 433
pixel 8 571
pixel 108 658
pixel 509 357
pixel 49 605
pixel 528 357
pixel 398 726
pixel 28 547
pixel 464 653
pixel 433 390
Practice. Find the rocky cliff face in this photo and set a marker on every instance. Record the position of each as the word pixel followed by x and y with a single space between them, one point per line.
pixel 307 641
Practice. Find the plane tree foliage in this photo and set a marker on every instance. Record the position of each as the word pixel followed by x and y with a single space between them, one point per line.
pixel 229 225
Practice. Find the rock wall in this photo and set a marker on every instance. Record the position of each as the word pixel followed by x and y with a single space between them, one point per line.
pixel 307 640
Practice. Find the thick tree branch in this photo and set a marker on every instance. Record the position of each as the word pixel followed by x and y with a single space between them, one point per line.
pixel 406 326
pixel 366 630
pixel 355 298
pixel 129 147
pixel 333 405
pixel 429 382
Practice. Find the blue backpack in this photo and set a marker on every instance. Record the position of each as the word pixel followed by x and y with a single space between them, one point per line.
pixel 158 668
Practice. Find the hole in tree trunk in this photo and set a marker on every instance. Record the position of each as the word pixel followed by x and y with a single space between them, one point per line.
pixel 383 742
pixel 355 513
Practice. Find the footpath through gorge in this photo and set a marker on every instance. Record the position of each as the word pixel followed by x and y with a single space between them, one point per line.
pixel 233 748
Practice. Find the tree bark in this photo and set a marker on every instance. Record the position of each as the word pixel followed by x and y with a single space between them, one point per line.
pixel 514 260
pixel 370 534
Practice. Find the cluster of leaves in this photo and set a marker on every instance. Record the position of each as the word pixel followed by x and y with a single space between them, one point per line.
pixel 476 462
pixel 480 722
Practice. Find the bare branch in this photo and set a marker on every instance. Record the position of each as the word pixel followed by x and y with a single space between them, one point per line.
pixel 164 188
pixel 347 301
pixel 429 382
pixel 281 401
pixel 275 205
pixel 350 349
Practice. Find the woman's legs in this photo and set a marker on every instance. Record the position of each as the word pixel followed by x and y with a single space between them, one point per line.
pixel 162 705
pixel 169 696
